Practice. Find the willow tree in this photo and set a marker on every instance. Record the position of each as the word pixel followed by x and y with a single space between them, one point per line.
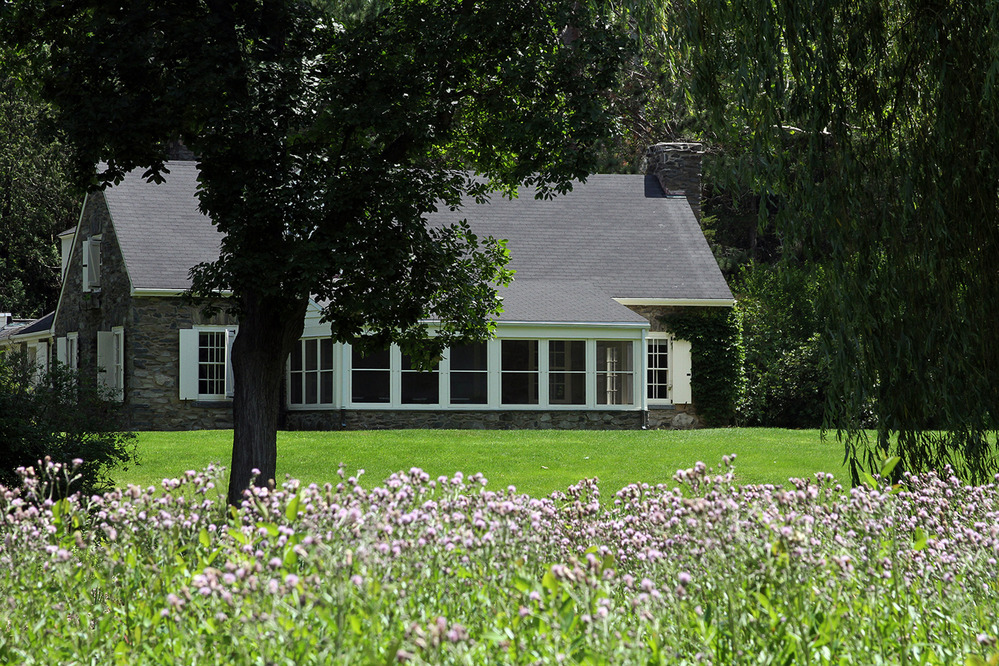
pixel 873 127
pixel 326 133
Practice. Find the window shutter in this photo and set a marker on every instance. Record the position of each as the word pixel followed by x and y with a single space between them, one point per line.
pixel 117 381
pixel 85 253
pixel 43 357
pixel 230 336
pixel 61 356
pixel 105 358
pixel 95 262
pixel 681 372
pixel 188 379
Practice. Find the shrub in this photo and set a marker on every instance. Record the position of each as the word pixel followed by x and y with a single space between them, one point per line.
pixel 787 374
pixel 59 415
pixel 717 378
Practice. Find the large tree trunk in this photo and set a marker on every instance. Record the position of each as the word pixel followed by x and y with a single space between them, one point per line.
pixel 268 329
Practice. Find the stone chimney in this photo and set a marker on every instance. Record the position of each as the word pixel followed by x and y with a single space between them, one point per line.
pixel 177 151
pixel 677 167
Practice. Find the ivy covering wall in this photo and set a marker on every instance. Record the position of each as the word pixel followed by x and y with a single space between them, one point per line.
pixel 717 377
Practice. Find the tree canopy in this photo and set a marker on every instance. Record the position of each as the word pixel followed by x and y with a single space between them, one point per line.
pixel 325 135
pixel 37 201
pixel 872 129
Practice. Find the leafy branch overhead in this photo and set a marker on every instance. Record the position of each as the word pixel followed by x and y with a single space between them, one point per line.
pixel 325 135
pixel 874 127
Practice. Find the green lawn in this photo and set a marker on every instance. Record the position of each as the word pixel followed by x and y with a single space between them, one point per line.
pixel 536 462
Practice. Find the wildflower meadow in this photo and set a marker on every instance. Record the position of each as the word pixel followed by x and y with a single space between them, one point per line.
pixel 451 571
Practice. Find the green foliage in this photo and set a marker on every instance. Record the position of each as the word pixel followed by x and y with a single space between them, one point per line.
pixel 326 133
pixel 58 415
pixel 451 571
pixel 874 126
pixel 717 379
pixel 787 372
pixel 37 201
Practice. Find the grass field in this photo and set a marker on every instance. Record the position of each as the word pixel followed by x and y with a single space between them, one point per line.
pixel 537 462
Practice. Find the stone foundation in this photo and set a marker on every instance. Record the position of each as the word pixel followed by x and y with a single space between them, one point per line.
pixel 463 420
pixel 680 417
pixel 675 417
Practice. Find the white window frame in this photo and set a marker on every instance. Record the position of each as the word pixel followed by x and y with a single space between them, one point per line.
pixel 111 360
pixel 494 373
pixel 665 340
pixel 189 361
pixel 319 371
pixel 678 370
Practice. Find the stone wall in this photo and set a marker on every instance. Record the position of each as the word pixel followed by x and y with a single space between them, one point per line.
pixel 352 419
pixel 677 166
pixel 673 417
pixel 151 325
pixel 87 312
pixel 154 368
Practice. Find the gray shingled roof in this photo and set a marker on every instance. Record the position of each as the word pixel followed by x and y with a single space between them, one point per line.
pixel 562 301
pixel 161 232
pixel 615 236
pixel 618 232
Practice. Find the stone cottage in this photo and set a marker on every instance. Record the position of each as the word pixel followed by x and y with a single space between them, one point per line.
pixel 579 344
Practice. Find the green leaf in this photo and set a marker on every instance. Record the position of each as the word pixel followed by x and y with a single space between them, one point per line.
pixel 271 528
pixel 869 481
pixel 918 539
pixel 291 512
pixel 203 537
pixel 888 466
pixel 238 535
pixel 549 581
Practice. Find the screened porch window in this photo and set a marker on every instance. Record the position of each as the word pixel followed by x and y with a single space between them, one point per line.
pixel 370 380
pixel 615 373
pixel 419 387
pixel 567 372
pixel 311 374
pixel 519 372
pixel 470 374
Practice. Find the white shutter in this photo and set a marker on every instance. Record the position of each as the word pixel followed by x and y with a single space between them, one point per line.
pixel 73 350
pixel 188 380
pixel 680 362
pixel 230 337
pixel 42 357
pixel 117 380
pixel 95 262
pixel 61 351
pixel 105 358
pixel 85 253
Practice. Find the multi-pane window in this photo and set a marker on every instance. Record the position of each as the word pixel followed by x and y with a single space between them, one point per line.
pixel 532 373
pixel 519 377
pixel 310 377
pixel 470 374
pixel 419 387
pixel 212 352
pixel 370 380
pixel 658 375
pixel 615 372
pixel 206 363
pixel 567 372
